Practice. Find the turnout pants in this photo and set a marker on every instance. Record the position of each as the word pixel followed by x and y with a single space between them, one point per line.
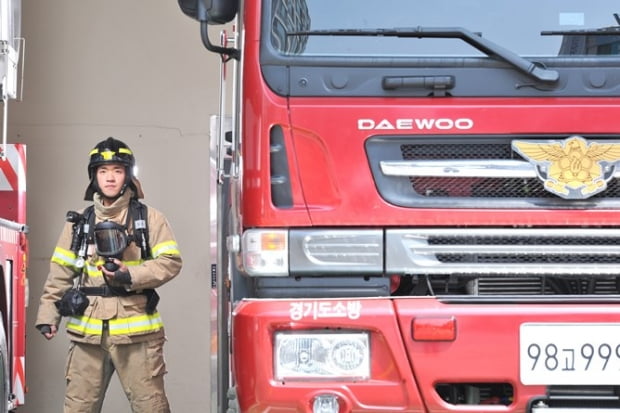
pixel 140 368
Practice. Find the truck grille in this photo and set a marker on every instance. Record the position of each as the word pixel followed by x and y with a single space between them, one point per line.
pixel 466 172
pixel 494 261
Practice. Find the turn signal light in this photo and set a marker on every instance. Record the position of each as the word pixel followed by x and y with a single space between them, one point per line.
pixel 273 241
pixel 434 328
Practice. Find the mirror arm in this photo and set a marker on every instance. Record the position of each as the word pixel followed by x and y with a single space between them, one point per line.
pixel 226 52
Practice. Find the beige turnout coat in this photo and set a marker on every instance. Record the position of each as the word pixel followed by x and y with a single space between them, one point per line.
pixel 125 316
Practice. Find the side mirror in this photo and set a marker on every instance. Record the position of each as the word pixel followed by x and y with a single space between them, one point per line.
pixel 190 8
pixel 221 11
pixel 210 11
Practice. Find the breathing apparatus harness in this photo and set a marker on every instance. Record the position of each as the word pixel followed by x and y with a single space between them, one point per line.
pixel 83 234
pixel 84 228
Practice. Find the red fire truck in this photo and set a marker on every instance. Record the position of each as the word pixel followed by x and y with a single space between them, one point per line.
pixel 13 281
pixel 13 228
pixel 418 205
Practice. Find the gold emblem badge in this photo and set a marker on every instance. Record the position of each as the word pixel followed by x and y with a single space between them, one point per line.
pixel 573 168
pixel 107 154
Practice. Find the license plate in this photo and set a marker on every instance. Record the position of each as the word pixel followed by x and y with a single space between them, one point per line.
pixel 569 353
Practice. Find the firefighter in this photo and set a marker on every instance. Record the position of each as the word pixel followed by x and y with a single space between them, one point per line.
pixel 109 259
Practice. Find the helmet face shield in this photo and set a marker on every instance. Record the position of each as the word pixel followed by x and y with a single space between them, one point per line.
pixel 110 239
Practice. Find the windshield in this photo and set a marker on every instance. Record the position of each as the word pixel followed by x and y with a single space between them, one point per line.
pixel 541 28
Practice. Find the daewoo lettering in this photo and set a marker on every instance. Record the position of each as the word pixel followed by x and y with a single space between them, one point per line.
pixel 409 124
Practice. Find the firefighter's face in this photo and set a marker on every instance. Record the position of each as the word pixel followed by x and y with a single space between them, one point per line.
pixel 110 178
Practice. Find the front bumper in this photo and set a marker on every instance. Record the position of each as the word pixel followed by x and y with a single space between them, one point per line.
pixel 405 375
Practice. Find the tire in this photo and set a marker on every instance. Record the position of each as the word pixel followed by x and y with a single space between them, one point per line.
pixel 5 374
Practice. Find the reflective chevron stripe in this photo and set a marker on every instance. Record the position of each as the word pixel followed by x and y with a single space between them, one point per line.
pixel 141 324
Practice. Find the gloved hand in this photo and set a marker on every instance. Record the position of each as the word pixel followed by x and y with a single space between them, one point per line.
pixel 122 277
pixel 48 330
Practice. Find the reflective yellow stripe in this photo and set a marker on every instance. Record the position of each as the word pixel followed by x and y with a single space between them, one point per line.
pixel 93 271
pixel 120 150
pixel 85 325
pixel 141 324
pixel 168 247
pixel 64 257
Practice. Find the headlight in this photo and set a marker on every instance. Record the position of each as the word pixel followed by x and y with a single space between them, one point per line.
pixel 308 355
pixel 276 252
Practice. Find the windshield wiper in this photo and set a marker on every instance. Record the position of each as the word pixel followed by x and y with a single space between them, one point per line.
pixel 608 31
pixel 486 46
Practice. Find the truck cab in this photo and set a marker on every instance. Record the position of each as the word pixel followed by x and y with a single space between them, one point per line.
pixel 418 205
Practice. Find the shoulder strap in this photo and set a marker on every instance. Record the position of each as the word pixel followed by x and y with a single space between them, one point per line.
pixel 140 227
pixel 84 238
pixel 89 227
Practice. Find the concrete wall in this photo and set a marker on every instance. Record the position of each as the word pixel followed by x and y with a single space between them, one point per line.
pixel 135 70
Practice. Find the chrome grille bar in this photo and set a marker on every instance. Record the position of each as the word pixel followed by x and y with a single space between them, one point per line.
pixel 508 252
pixel 490 168
pixel 338 251
pixel 487 168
